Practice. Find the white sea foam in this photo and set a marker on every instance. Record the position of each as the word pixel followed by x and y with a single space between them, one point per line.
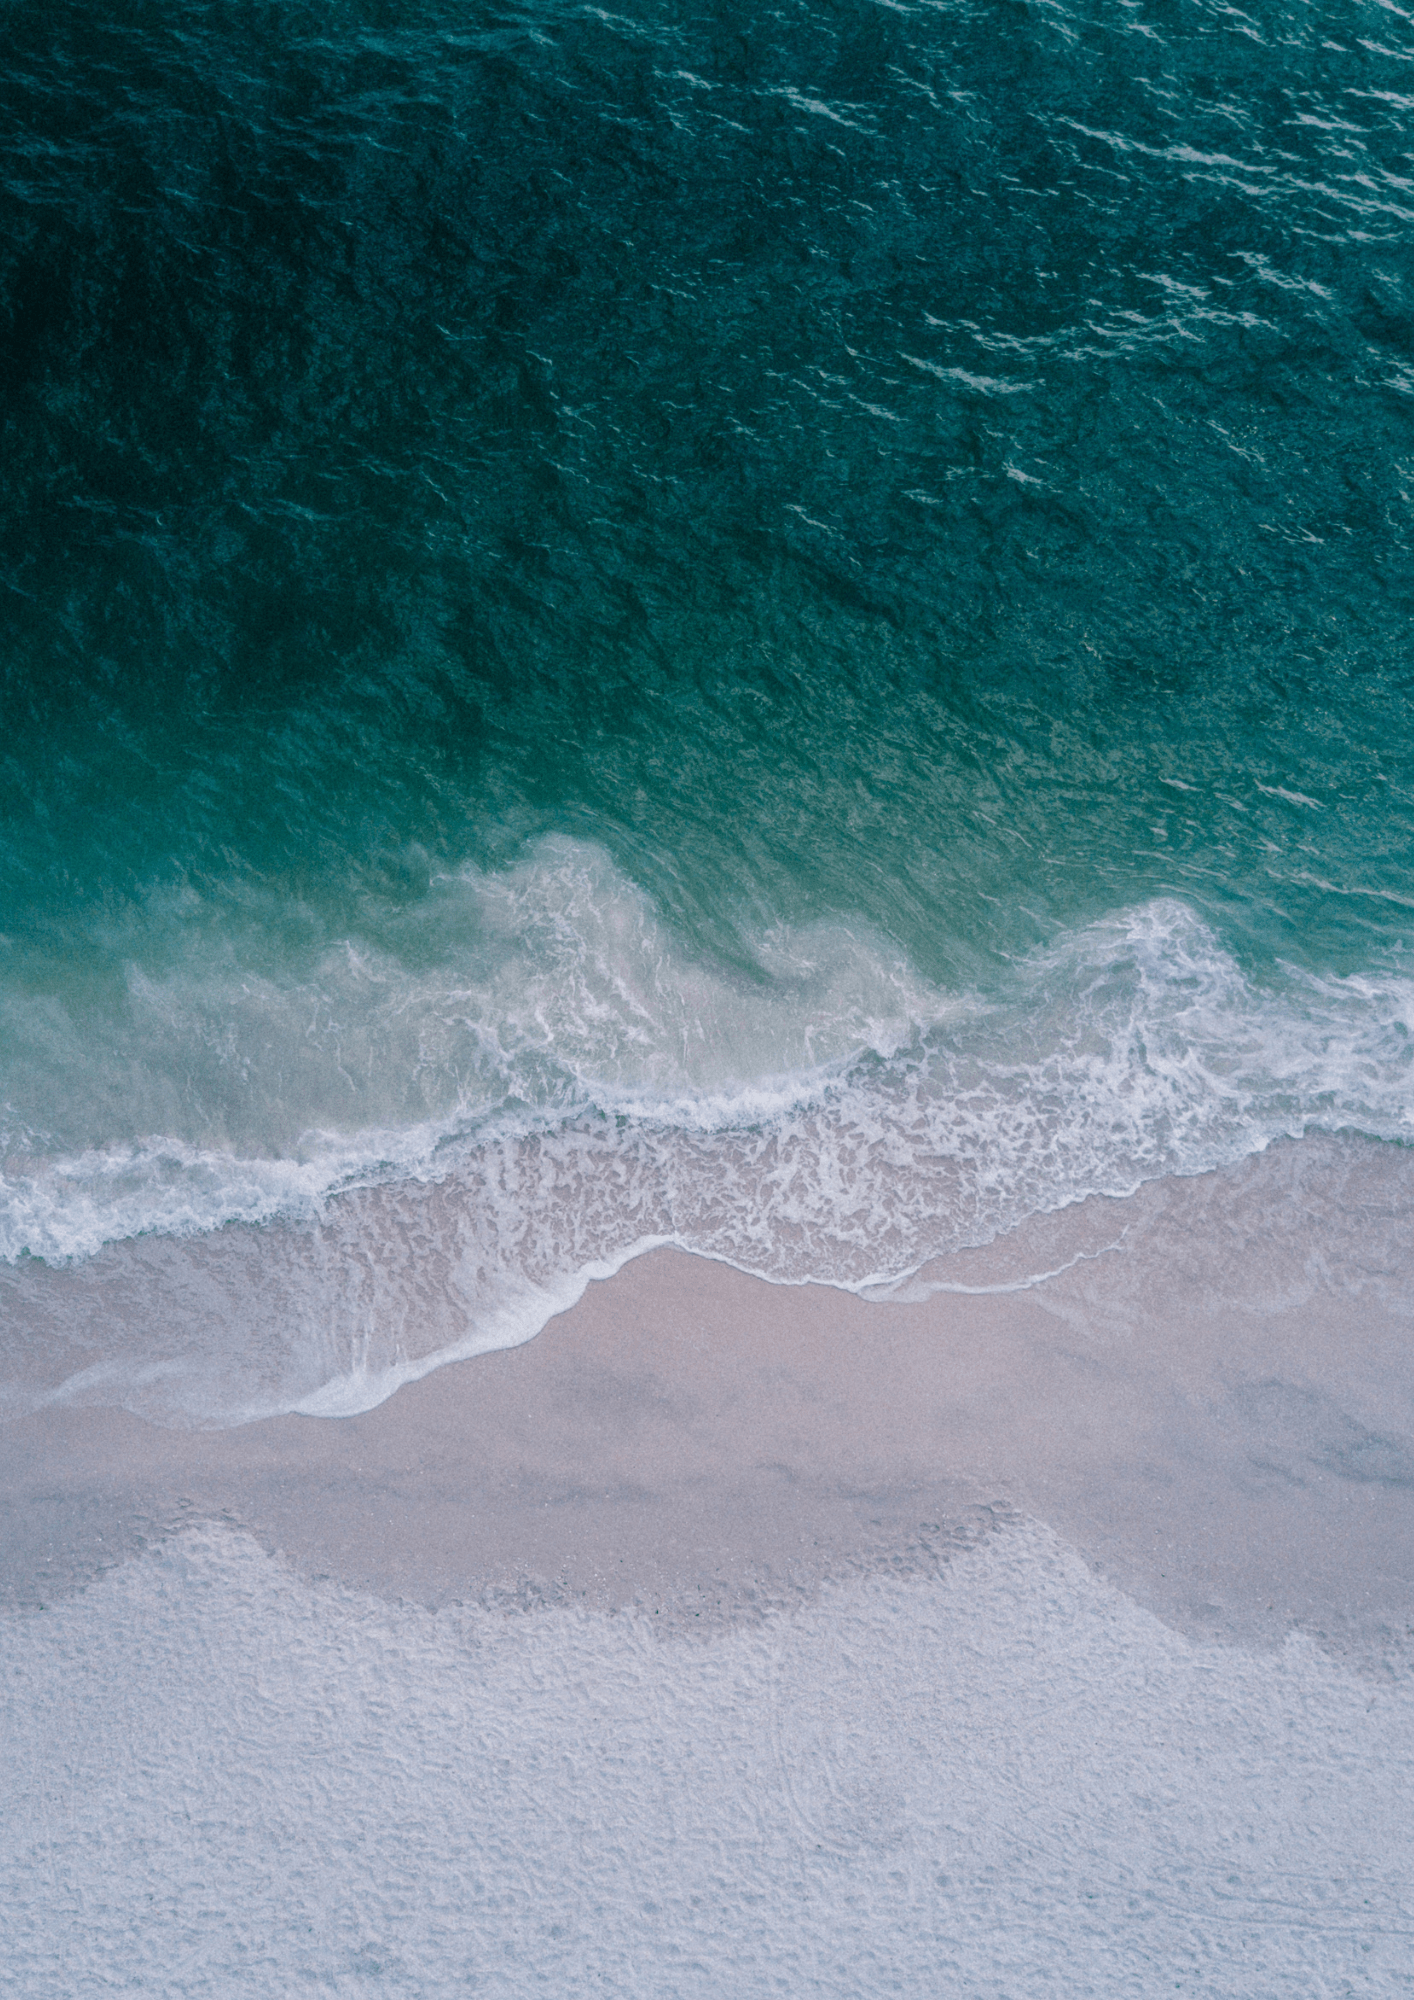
pixel 587 1090
pixel 233 1092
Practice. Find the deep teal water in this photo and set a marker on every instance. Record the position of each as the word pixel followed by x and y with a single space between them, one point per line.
pixel 834 577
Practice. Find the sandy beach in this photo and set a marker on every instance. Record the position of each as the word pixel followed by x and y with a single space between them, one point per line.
pixel 1209 1398
pixel 706 1002
pixel 731 1637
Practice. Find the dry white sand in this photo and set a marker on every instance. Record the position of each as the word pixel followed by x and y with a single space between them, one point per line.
pixel 1003 1779
pixel 1029 1637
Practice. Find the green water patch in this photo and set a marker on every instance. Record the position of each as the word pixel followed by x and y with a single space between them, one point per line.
pixel 942 472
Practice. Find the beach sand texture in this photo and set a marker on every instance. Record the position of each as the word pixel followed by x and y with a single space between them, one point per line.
pixel 744 1638
pixel 1206 1389
pixel 706 1000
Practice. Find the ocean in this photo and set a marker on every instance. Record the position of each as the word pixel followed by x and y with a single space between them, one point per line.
pixel 784 631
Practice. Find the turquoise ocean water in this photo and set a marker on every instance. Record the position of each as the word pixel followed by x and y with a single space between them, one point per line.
pixel 785 630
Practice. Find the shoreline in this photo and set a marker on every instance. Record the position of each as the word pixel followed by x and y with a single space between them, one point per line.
pixel 728 1633
pixel 1202 1399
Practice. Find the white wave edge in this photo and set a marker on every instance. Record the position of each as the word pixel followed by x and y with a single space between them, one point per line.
pixel 57 1215
pixel 1133 1050
pixel 363 1387
pixel 515 1326
pixel 1172 1061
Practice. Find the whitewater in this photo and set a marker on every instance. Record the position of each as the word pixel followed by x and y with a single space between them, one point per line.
pixel 426 1156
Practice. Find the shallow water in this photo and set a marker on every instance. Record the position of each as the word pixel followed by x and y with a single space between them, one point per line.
pixel 781 632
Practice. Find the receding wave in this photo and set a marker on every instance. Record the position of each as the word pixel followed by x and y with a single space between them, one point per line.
pixel 587 1089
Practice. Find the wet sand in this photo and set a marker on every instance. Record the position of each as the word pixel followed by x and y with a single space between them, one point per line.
pixel 1208 1400
pixel 728 1637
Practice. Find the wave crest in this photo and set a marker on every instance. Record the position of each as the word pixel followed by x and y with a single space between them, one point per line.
pixel 619 1110
pixel 826 1113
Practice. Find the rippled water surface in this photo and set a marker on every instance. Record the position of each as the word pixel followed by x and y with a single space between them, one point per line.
pixel 803 613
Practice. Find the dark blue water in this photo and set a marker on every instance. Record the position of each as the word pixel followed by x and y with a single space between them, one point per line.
pixel 782 630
